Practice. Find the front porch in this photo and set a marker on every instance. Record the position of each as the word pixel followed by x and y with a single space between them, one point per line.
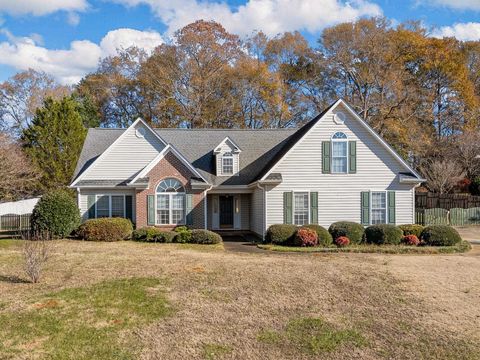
pixel 229 212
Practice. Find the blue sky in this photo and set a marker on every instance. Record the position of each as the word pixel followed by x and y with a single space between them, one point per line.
pixel 66 38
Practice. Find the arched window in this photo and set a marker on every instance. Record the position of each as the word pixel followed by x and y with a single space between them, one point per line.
pixel 170 202
pixel 227 163
pixel 339 153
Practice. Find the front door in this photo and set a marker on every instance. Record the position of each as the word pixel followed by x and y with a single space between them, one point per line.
pixel 226 211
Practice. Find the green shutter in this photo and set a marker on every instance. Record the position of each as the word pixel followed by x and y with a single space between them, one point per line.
pixel 365 207
pixel 91 206
pixel 314 207
pixel 129 207
pixel 352 157
pixel 150 209
pixel 189 208
pixel 326 158
pixel 288 207
pixel 391 207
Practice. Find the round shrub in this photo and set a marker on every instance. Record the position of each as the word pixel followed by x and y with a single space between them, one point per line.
pixel 153 234
pixel 56 213
pixel 440 235
pixel 200 236
pixel 342 241
pixel 306 237
pixel 412 229
pixel 281 234
pixel 411 240
pixel 383 234
pixel 106 229
pixel 324 237
pixel 352 230
pixel 183 234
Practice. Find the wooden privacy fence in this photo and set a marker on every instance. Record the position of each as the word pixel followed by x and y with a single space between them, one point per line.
pixel 455 216
pixel 14 222
pixel 446 201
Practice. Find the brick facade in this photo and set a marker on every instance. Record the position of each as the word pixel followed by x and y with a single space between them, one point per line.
pixel 169 167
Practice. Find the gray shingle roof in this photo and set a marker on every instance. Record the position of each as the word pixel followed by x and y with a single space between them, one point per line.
pixel 259 149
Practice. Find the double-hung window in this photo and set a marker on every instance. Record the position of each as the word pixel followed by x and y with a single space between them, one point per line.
pixel 170 202
pixel 227 164
pixel 110 206
pixel 339 153
pixel 379 207
pixel 300 208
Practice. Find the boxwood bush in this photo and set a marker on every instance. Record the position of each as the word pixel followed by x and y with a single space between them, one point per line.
pixel 412 229
pixel 153 234
pixel 201 236
pixel 354 231
pixel 281 234
pixel 106 229
pixel 383 234
pixel 324 237
pixel 183 234
pixel 440 235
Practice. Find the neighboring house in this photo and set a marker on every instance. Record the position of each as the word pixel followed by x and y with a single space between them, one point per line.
pixel 333 168
pixel 19 207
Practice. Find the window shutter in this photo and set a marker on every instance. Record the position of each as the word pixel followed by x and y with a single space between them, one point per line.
pixel 91 206
pixel 129 207
pixel 150 209
pixel 391 207
pixel 352 157
pixel 287 207
pixel 326 158
pixel 365 207
pixel 314 207
pixel 188 208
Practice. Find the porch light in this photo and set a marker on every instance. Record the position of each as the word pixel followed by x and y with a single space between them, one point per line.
pixel 237 208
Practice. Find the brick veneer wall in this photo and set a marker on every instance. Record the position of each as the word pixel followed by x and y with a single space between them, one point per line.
pixel 169 167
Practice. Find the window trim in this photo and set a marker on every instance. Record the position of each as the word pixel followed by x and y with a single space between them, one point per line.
pixel 110 204
pixel 371 205
pixel 170 207
pixel 228 156
pixel 332 141
pixel 308 206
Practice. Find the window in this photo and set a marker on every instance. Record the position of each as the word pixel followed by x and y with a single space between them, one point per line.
pixel 227 164
pixel 103 206
pixel 379 207
pixel 300 208
pixel 110 206
pixel 170 202
pixel 339 153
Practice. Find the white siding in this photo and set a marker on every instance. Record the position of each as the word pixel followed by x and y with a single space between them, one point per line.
pixel 257 212
pixel 339 194
pixel 126 157
pixel 245 211
pixel 83 199
pixel 223 148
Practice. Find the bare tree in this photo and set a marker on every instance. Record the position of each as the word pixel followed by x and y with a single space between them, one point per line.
pixel 36 252
pixel 442 174
pixel 468 152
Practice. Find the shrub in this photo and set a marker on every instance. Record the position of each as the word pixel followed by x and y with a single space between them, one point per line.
pixel 200 236
pixel 57 213
pixel 412 229
pixel 183 234
pixel 383 234
pixel 352 230
pixel 411 240
pixel 306 237
pixel 342 241
pixel 281 234
pixel 106 229
pixel 324 237
pixel 440 235
pixel 153 234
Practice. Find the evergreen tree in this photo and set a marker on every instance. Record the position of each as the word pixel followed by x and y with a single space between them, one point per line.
pixel 54 140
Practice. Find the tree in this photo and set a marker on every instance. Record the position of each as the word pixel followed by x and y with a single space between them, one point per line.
pixel 442 174
pixel 54 140
pixel 17 175
pixel 467 146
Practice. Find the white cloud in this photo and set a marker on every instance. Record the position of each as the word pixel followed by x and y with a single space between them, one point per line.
pixel 271 16
pixel 41 7
pixel 68 66
pixel 462 31
pixel 453 4
pixel 73 18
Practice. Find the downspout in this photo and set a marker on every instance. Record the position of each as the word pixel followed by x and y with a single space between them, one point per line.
pixel 205 208
pixel 264 225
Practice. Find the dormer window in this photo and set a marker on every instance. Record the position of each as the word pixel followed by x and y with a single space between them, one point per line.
pixel 227 158
pixel 227 163
pixel 339 153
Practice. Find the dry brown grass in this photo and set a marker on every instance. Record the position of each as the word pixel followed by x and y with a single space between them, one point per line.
pixel 403 306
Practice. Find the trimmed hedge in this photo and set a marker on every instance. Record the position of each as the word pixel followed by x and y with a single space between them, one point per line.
pixel 183 235
pixel 383 234
pixel 324 237
pixel 281 234
pixel 106 229
pixel 201 236
pixel 440 235
pixel 153 234
pixel 412 229
pixel 57 213
pixel 354 231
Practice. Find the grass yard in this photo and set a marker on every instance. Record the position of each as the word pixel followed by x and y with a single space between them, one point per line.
pixel 130 300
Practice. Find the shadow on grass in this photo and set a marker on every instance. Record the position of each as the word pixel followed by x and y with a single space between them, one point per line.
pixel 13 279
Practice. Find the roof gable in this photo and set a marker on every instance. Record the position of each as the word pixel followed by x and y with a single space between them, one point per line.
pixel 229 143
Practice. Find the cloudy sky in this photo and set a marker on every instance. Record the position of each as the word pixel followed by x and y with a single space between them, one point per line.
pixel 66 38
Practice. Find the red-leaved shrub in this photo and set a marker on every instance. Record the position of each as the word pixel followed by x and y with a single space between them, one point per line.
pixel 411 240
pixel 306 237
pixel 342 241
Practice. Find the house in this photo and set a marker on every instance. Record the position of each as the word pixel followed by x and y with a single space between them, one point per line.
pixel 333 168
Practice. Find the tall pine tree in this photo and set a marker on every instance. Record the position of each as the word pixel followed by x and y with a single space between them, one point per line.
pixel 54 140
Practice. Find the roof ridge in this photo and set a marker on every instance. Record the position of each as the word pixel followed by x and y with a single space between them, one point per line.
pixel 205 129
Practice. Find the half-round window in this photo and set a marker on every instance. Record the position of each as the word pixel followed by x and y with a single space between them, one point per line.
pixel 170 185
pixel 170 202
pixel 339 136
